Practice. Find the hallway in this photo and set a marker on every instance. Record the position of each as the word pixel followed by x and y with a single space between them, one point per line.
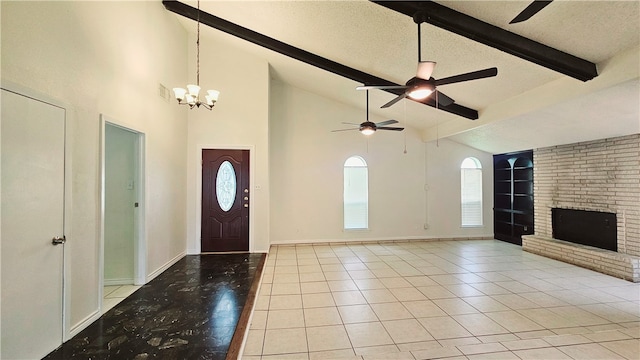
pixel 190 311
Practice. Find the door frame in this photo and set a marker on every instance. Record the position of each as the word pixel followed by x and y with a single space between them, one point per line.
pixel 140 228
pixel 198 202
pixel 67 198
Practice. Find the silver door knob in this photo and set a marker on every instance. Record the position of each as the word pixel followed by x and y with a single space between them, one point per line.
pixel 59 240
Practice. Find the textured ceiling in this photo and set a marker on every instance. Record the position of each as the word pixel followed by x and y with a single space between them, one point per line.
pixel 382 42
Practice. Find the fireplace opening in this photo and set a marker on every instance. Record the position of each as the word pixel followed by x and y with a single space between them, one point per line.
pixel 592 228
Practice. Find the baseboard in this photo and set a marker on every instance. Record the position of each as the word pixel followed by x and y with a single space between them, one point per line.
pixel 384 239
pixel 113 282
pixel 164 267
pixel 83 324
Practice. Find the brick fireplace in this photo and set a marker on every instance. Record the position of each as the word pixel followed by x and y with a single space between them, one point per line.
pixel 595 176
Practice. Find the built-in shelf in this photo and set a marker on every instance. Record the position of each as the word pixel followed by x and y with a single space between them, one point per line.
pixel 513 196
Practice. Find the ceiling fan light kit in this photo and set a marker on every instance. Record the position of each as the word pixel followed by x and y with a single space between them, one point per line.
pixel 368 127
pixel 191 95
pixel 420 93
pixel 423 85
pixel 419 90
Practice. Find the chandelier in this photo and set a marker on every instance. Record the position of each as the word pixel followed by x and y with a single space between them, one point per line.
pixel 191 95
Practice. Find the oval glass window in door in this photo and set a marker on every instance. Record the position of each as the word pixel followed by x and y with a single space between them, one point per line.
pixel 226 185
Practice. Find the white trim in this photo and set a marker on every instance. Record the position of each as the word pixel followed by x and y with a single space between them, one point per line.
pixel 82 324
pixel 383 239
pixel 140 240
pixel 33 94
pixel 101 200
pixel 197 249
pixel 115 282
pixel 140 252
pixel 164 267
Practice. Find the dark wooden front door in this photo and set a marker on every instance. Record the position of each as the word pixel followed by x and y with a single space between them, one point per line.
pixel 225 200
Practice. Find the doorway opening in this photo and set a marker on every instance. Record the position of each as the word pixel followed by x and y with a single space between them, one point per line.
pixel 123 246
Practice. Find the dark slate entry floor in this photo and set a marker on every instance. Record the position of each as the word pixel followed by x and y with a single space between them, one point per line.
pixel 190 311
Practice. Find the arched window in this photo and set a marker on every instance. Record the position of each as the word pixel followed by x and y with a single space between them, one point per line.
pixel 471 192
pixel 356 194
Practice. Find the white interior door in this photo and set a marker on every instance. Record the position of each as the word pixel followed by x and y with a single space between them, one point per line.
pixel 32 180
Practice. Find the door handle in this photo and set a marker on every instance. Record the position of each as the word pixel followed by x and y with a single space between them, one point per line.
pixel 59 240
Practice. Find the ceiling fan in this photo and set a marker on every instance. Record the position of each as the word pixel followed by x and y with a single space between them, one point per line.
pixel 423 85
pixel 368 127
pixel 530 10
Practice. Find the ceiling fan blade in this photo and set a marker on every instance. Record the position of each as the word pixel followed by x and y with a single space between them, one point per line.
pixel 474 75
pixel 344 130
pixel 381 87
pixel 400 97
pixel 391 128
pixel 425 69
pixel 443 100
pixel 386 122
pixel 348 123
pixel 530 10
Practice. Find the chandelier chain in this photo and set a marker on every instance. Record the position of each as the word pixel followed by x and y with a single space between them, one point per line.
pixel 191 96
pixel 198 49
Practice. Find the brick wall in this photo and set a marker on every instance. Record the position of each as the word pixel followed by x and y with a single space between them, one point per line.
pixel 600 175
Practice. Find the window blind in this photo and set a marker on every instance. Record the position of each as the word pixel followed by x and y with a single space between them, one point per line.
pixel 356 197
pixel 471 188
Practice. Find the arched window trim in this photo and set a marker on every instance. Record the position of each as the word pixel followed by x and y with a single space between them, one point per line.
pixel 355 161
pixel 471 163
pixel 471 204
pixel 355 194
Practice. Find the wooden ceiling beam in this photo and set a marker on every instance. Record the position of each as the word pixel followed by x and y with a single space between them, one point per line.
pixel 320 62
pixel 498 38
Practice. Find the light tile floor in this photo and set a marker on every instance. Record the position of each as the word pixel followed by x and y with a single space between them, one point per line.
pixel 113 295
pixel 428 300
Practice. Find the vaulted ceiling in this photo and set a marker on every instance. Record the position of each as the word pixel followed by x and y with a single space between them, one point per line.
pixel 525 106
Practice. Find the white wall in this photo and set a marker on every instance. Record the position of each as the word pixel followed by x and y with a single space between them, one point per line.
pixel 90 56
pixel 307 175
pixel 240 119
pixel 444 158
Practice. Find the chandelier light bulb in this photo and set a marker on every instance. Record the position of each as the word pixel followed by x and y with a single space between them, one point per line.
pixel 213 94
pixel 194 90
pixel 179 93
